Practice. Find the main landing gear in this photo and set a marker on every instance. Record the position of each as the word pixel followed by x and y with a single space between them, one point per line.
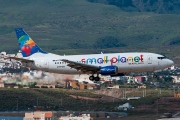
pixel 92 78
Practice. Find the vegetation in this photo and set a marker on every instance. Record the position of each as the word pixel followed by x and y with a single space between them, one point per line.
pixel 60 99
pixel 43 99
pixel 108 42
pixel 163 6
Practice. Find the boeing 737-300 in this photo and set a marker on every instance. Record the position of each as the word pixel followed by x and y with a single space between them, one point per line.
pixel 113 64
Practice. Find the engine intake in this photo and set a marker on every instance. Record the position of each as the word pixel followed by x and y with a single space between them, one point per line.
pixel 109 70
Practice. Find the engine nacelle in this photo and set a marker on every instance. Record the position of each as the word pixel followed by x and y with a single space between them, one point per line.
pixel 109 70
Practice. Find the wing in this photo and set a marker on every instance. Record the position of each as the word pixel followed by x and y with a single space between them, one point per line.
pixel 21 59
pixel 85 68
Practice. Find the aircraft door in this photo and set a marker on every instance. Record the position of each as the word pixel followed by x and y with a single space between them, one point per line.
pixel 150 66
pixel 149 59
pixel 46 64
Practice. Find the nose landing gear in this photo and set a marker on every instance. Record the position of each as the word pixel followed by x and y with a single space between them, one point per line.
pixel 155 75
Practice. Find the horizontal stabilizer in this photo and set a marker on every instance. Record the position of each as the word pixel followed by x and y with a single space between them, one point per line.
pixel 21 59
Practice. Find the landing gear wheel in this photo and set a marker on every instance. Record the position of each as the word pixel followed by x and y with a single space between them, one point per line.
pixel 97 78
pixel 91 77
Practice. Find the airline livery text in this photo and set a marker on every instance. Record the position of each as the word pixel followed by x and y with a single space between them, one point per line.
pixel 113 60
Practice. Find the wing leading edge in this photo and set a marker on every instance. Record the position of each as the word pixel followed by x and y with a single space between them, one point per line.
pixel 85 68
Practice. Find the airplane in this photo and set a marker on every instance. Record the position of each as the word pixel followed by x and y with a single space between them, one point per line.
pixel 110 64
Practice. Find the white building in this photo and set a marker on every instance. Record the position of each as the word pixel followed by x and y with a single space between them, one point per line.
pixel 72 117
pixel 113 87
pixel 176 79
pixel 38 115
pixel 172 67
pixel 125 106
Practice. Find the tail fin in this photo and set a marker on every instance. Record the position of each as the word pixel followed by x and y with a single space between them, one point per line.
pixel 27 45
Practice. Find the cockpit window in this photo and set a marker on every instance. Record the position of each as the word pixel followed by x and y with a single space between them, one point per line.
pixel 163 57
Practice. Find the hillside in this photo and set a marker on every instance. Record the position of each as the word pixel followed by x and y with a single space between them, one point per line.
pixel 157 6
pixel 52 99
pixel 80 27
pixel 83 100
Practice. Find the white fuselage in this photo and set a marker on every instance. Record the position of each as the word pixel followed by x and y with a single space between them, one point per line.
pixel 126 62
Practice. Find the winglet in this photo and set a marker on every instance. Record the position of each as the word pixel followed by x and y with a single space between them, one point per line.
pixel 27 45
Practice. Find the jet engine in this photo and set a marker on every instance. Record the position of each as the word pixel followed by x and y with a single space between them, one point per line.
pixel 109 70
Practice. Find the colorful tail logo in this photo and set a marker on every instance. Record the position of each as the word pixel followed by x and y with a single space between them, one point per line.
pixel 27 45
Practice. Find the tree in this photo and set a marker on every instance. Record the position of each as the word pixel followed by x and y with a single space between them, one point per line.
pixel 168 79
pixel 108 42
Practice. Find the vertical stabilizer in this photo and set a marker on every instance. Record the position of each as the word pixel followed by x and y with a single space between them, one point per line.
pixel 26 44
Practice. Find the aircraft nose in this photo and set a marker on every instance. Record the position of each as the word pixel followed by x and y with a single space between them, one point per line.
pixel 170 63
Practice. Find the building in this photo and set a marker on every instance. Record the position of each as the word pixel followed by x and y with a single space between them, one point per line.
pixel 142 86
pixel 81 86
pixel 125 106
pixel 176 95
pixel 72 117
pixel 45 85
pixel 140 79
pixel 38 115
pixel 172 67
pixel 176 79
pixel 1 84
pixel 133 98
pixel 113 87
